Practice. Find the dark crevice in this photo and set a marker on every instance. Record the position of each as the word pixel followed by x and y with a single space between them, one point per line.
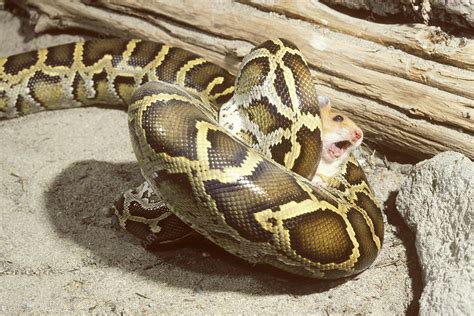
pixel 399 18
pixel 466 31
pixel 408 239
pixel 408 16
pixel 395 155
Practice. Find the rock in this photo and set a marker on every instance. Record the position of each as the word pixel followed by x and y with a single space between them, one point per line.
pixel 455 13
pixel 437 202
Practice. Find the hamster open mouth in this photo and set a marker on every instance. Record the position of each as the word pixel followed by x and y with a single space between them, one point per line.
pixel 337 149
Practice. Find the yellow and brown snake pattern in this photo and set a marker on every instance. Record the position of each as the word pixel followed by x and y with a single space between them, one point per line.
pixel 230 162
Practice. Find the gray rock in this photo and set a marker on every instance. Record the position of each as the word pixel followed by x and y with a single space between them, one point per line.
pixel 458 13
pixel 437 202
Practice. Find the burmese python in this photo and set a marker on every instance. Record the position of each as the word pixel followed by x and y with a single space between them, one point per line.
pixel 240 183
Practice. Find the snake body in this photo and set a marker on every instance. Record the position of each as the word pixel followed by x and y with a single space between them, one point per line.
pixel 229 162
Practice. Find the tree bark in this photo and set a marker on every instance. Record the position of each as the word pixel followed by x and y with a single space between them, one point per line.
pixel 410 87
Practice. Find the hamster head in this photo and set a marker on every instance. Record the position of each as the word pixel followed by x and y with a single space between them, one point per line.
pixel 340 136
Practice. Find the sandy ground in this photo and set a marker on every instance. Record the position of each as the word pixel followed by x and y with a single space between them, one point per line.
pixel 59 171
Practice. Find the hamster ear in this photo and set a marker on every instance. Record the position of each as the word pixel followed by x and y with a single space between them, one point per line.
pixel 323 101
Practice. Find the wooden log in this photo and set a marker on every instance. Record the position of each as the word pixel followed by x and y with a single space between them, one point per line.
pixel 408 90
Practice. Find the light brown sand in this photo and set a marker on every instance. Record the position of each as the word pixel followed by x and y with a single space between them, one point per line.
pixel 58 253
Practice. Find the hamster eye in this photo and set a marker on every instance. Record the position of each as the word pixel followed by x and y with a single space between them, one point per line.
pixel 338 118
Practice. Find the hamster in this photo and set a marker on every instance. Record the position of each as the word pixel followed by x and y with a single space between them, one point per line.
pixel 340 136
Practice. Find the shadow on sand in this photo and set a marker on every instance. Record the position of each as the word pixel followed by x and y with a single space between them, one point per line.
pixel 77 202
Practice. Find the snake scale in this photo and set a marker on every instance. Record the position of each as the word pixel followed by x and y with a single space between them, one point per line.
pixel 229 162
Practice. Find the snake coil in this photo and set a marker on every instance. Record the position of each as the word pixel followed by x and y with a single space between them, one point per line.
pixel 230 162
